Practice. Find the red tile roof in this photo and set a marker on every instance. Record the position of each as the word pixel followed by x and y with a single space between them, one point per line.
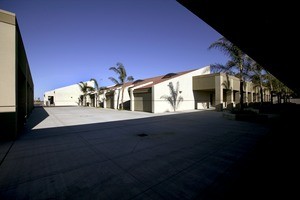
pixel 155 80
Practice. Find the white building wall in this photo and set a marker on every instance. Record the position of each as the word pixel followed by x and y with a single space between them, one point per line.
pixel 117 98
pixel 126 95
pixel 118 94
pixel 102 97
pixel 66 96
pixel 161 105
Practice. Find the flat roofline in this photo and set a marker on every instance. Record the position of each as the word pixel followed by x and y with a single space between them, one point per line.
pixel 7 17
pixel 217 74
pixel 7 12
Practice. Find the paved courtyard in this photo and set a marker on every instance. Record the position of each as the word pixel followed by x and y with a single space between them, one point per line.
pixel 81 153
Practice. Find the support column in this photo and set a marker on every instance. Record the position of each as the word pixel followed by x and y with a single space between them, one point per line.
pixel 246 92
pixel 131 99
pixel 116 94
pixel 104 99
pixel 219 92
pixel 231 91
pixel 153 99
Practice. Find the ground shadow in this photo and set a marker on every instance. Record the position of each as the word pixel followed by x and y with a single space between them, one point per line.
pixel 37 116
pixel 264 170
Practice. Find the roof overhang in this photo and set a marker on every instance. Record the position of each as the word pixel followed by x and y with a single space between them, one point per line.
pixel 266 31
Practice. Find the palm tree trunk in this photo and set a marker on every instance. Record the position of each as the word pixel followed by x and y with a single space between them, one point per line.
pixel 122 98
pixel 271 97
pixel 242 94
pixel 96 100
pixel 279 98
pixel 285 98
pixel 118 100
pixel 261 94
pixel 271 88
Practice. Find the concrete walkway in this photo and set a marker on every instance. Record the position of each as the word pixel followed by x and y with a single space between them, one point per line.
pixel 80 153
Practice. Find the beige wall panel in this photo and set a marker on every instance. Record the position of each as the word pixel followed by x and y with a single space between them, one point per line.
pixel 7 109
pixel 203 83
pixel 236 84
pixel 202 99
pixel 143 102
pixel 7 65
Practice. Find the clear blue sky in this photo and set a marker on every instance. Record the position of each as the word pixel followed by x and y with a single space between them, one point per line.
pixel 68 41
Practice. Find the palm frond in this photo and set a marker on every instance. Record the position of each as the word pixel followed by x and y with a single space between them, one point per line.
pixel 96 83
pixel 91 89
pixel 222 45
pixel 122 71
pixel 229 66
pixel 226 47
pixel 130 78
pixel 114 69
pixel 84 88
pixel 217 68
pixel 115 81
pixel 226 84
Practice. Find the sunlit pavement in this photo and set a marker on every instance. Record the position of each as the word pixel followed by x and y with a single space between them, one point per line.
pixel 81 153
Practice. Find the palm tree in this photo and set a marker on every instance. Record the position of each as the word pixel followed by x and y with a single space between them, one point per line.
pixel 270 81
pixel 258 77
pixel 238 64
pixel 227 86
pixel 122 78
pixel 97 89
pixel 173 99
pixel 84 88
pixel 275 86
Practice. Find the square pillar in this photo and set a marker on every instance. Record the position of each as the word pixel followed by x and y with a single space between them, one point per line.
pixel 246 92
pixel 251 97
pixel 116 94
pixel 231 91
pixel 218 90
pixel 104 99
pixel 131 99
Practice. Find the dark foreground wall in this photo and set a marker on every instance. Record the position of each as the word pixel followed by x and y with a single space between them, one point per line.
pixel 18 92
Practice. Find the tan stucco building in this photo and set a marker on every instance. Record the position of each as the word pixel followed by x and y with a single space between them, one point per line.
pixel 16 85
pixel 199 89
pixel 223 90
pixel 147 94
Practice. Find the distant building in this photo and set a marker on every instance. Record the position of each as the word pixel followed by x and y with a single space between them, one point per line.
pixel 198 89
pixel 223 90
pixel 148 94
pixel 68 96
pixel 16 85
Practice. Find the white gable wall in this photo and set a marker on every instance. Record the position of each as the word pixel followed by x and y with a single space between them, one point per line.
pixel 66 96
pixel 161 105
pixel 126 95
